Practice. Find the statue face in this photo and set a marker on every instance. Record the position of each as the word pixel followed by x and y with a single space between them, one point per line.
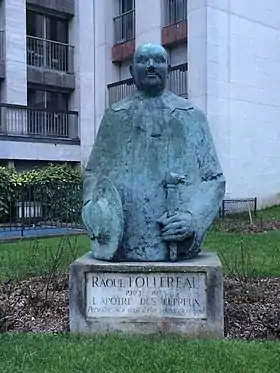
pixel 150 68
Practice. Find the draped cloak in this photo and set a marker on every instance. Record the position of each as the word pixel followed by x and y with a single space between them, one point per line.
pixel 139 140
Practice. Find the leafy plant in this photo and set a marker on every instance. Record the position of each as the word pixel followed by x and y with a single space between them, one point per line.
pixel 57 187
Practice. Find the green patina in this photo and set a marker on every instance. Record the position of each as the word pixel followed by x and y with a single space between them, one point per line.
pixel 155 161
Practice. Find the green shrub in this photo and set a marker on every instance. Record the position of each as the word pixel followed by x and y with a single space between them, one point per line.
pixel 7 189
pixel 52 173
pixel 57 187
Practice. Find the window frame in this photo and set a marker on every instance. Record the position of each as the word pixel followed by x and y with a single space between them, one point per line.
pixel 45 19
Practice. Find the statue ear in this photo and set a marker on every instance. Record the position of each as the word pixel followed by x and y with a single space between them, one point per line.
pixel 131 70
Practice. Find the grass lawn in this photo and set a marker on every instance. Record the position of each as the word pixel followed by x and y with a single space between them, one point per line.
pixel 28 258
pixel 265 214
pixel 257 254
pixel 21 353
pixel 251 255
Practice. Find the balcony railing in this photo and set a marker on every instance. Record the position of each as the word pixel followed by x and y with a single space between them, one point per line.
pixel 124 27
pixel 175 11
pixel 51 55
pixel 176 83
pixel 178 80
pixel 16 120
pixel 120 90
pixel 2 46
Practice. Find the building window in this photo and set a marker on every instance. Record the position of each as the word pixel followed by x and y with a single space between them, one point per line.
pixel 126 6
pixel 52 121
pixel 35 24
pixel 56 29
pixel 47 42
pixel 46 27
pixel 175 11
pixel 50 100
pixel 124 23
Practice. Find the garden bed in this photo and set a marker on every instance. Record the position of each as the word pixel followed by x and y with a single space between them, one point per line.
pixel 252 307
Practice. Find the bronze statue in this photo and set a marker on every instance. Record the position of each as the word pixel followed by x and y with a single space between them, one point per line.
pixel 153 183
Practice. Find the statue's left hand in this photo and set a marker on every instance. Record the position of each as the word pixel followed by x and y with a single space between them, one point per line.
pixel 176 227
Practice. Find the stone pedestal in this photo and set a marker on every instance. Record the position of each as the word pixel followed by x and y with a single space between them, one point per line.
pixel 182 297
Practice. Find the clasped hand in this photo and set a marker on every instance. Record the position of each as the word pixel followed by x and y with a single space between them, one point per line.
pixel 176 227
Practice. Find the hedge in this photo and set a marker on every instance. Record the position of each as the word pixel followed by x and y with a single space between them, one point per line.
pixel 57 187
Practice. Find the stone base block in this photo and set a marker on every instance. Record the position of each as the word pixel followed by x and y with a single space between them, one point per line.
pixel 182 297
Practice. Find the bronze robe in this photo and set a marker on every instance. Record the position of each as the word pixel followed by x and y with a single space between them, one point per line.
pixel 139 140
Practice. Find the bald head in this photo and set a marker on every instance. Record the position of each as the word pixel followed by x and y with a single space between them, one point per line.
pixel 150 68
pixel 149 48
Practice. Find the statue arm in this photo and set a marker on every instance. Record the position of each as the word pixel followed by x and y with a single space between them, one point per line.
pixel 200 199
pixel 90 177
pixel 209 192
pixel 97 169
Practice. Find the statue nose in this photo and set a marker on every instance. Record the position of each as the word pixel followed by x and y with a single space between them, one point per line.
pixel 151 64
pixel 150 68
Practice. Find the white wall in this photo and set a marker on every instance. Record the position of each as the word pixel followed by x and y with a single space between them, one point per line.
pixel 124 70
pixel 217 86
pixel 14 87
pixel 197 57
pixel 40 151
pixel 148 15
pixel 234 75
pixel 82 100
pixel 254 78
pixel 178 54
pixel 105 71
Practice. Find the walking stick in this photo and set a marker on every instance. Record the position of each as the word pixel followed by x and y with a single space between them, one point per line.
pixel 170 184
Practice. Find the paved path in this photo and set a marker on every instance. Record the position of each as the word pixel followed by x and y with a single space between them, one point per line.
pixel 36 232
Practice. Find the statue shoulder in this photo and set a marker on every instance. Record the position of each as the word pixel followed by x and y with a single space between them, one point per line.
pixel 123 104
pixel 176 102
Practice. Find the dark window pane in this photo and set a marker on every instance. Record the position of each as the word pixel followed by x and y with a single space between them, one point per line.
pixel 36 98
pixel 57 123
pixel 57 101
pixel 56 29
pixel 126 5
pixel 34 24
pixel 47 123
pixel 35 119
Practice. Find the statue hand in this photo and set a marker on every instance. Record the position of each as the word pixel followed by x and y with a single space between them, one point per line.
pixel 176 227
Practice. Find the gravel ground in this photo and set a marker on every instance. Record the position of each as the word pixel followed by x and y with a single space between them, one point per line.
pixel 252 307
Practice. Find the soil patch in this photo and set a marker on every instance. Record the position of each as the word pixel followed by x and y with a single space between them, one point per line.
pixel 252 307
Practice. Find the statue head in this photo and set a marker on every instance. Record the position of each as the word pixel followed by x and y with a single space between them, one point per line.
pixel 149 68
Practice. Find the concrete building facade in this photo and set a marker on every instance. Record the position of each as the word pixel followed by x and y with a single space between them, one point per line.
pixel 63 62
pixel 47 81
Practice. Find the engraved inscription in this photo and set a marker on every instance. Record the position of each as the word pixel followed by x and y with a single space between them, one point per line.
pixel 180 295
